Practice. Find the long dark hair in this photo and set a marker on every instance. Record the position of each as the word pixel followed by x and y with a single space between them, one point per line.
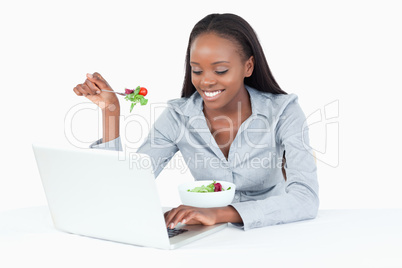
pixel 236 29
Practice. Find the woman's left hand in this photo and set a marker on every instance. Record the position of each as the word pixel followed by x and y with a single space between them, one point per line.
pixel 190 215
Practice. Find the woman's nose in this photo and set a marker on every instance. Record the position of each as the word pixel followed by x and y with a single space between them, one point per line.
pixel 208 81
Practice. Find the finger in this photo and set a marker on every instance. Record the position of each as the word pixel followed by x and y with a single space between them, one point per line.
pixel 182 216
pixel 166 214
pixel 87 90
pixel 77 91
pixel 98 80
pixel 83 89
pixel 178 215
pixel 94 89
pixel 169 216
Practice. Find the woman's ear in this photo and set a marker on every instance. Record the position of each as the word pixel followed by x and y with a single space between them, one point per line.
pixel 249 67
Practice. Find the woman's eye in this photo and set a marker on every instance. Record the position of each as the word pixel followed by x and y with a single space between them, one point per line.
pixel 221 72
pixel 197 72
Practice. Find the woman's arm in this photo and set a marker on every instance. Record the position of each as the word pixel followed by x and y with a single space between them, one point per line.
pixel 300 199
pixel 111 122
pixel 107 101
pixel 205 216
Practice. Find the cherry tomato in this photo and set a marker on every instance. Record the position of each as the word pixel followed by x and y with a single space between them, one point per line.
pixel 143 91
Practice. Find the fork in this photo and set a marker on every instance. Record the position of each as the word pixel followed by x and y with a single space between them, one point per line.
pixel 119 93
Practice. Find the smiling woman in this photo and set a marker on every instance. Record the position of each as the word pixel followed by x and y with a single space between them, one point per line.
pixel 241 35
pixel 218 73
pixel 218 76
pixel 233 123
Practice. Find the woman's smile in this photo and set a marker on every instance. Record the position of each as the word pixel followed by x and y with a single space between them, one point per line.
pixel 212 95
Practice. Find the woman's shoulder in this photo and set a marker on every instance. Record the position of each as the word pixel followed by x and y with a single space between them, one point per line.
pixel 186 106
pixel 278 98
pixel 277 102
pixel 177 102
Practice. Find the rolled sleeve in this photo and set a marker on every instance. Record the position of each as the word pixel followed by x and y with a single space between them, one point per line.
pixel 251 214
pixel 300 202
pixel 113 145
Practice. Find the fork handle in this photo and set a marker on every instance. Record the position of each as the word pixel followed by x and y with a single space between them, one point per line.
pixel 122 94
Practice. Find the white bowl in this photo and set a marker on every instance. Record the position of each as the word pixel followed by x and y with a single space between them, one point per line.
pixel 206 200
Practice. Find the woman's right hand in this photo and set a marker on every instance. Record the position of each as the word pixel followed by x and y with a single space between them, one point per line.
pixel 91 89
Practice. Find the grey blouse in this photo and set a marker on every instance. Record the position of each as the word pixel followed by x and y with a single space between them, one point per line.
pixel 263 197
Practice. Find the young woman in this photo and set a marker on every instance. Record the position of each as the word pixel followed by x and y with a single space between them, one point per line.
pixel 232 123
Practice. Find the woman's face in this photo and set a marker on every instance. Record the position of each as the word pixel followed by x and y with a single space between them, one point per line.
pixel 218 71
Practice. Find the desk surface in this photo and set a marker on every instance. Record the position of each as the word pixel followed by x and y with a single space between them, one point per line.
pixel 336 238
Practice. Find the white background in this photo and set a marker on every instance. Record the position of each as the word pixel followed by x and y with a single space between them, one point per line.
pixel 345 55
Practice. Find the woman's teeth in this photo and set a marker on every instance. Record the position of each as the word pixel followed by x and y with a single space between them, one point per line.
pixel 212 94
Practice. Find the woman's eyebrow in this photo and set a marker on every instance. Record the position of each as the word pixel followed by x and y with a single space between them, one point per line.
pixel 214 63
pixel 218 62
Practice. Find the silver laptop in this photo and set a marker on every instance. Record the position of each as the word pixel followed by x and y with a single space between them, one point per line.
pixel 108 195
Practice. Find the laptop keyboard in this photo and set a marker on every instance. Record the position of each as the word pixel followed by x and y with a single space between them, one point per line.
pixel 173 232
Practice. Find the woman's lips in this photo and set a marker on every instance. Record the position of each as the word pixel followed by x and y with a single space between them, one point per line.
pixel 212 95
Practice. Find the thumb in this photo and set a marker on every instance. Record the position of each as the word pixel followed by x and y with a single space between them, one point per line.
pixel 98 80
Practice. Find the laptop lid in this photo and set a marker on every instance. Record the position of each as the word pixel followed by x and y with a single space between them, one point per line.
pixel 109 195
pixel 101 194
